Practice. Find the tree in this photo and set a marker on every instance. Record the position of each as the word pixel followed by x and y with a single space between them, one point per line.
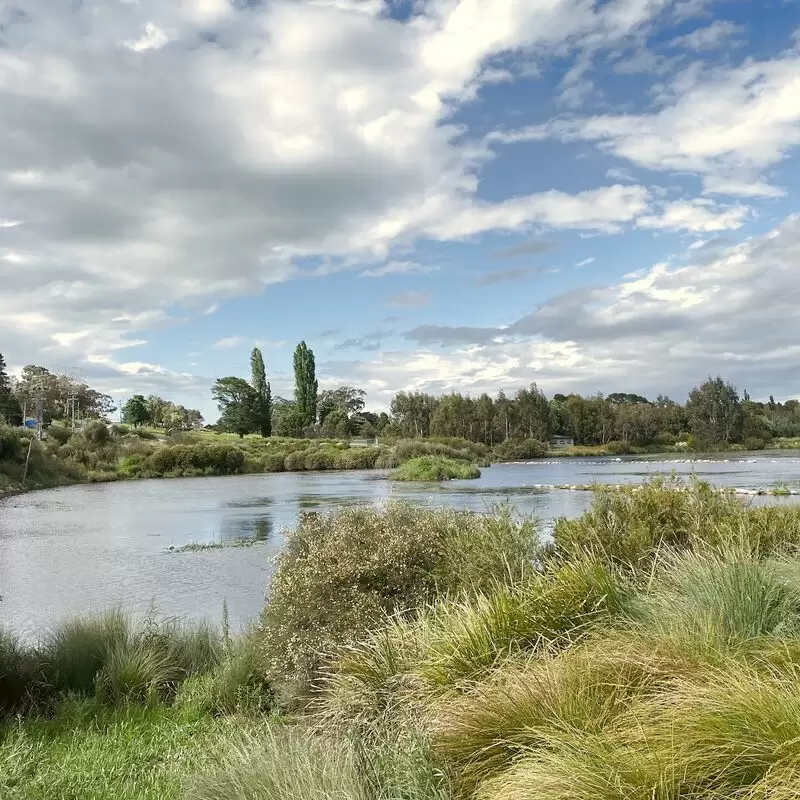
pixel 287 420
pixel 237 403
pixel 10 411
pixel 534 414
pixel 261 387
pixel 135 412
pixel 715 411
pixel 305 384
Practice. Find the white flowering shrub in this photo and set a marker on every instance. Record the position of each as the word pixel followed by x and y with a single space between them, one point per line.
pixel 342 572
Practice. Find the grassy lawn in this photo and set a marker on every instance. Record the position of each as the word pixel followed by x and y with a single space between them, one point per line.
pixel 88 752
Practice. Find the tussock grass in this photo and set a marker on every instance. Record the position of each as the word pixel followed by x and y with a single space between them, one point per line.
pixel 630 526
pixel 294 763
pixel 453 643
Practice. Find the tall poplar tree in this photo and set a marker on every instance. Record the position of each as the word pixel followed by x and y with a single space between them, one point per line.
pixel 260 384
pixel 305 383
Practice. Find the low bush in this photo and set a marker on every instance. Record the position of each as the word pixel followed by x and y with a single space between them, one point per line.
pixel 458 449
pixel 294 763
pixel 434 468
pixel 295 461
pixel 236 683
pixel 342 572
pixel 519 450
pixel 618 448
pixel 59 434
pixel 96 432
pixel 207 459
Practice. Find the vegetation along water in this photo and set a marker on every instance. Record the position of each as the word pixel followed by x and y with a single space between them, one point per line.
pixel 318 429
pixel 649 648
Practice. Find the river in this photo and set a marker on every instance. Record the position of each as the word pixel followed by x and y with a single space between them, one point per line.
pixel 84 548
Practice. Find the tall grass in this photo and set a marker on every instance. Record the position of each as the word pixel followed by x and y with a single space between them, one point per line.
pixel 628 526
pixel 452 643
pixel 292 763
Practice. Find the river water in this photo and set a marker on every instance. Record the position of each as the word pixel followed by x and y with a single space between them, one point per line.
pixel 85 548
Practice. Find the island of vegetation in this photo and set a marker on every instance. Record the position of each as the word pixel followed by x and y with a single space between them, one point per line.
pixel 331 428
pixel 650 650
pixel 434 468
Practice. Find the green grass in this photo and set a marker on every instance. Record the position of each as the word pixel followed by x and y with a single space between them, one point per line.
pixel 89 752
pixel 434 468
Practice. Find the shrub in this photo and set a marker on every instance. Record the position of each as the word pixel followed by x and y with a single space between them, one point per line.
pixel 10 443
pixel 318 460
pixel 76 650
pixel 434 468
pixel 119 430
pixel 293 763
pixel 96 432
pixel 618 448
pixel 719 601
pixel 274 462
pixel 19 674
pixel 209 459
pixel 235 684
pixel 341 572
pixel 523 707
pixel 519 450
pixel 59 434
pixel 121 661
pixel 295 461
pixel 458 449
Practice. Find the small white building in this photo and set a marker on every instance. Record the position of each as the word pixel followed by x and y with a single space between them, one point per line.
pixel 560 442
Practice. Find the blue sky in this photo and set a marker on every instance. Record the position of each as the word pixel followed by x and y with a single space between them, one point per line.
pixel 441 195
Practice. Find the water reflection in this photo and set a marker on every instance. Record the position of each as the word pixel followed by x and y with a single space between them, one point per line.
pixel 259 528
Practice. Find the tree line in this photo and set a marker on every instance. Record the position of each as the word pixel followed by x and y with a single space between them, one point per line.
pixel 60 396
pixel 160 413
pixel 715 414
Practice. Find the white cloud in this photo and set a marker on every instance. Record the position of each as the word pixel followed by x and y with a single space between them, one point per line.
pixel 699 216
pixel 228 343
pixel 586 262
pixel 397 268
pixel 146 166
pixel 718 33
pixel 409 299
pixel 727 124
pixel 152 38
pixel 661 329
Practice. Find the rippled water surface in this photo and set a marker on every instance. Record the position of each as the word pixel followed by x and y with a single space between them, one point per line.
pixel 83 548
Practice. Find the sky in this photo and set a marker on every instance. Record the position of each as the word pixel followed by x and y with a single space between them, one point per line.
pixel 437 195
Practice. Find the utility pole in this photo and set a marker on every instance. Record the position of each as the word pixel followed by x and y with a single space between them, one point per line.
pixel 39 415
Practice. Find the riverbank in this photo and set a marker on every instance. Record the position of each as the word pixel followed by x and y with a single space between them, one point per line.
pixel 100 453
pixel 652 653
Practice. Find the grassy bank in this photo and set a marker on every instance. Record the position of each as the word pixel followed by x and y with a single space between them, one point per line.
pixel 415 654
pixel 107 453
